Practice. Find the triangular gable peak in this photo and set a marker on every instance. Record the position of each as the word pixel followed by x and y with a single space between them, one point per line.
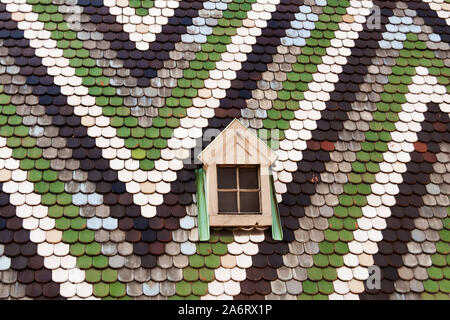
pixel 236 144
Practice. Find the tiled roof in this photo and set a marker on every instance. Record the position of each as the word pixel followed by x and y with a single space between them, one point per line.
pixel 102 99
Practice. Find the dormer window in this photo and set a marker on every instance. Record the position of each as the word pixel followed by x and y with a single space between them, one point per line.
pixel 234 187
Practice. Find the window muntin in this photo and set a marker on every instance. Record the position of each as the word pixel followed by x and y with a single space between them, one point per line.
pixel 238 190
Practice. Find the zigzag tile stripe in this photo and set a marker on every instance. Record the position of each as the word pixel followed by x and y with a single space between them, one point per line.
pixel 242 261
pixel 439 26
pixel 441 7
pixel 296 197
pixel 437 286
pixel 98 118
pixel 20 259
pixel 142 29
pixel 116 199
pixel 307 117
pixel 393 258
pixel 349 277
pixel 375 213
pixel 252 68
pixel 67 89
pixel 434 94
pixel 24 218
pixel 108 132
pixel 270 274
pixel 42 232
pixel 63 121
pixel 423 272
pixel 144 65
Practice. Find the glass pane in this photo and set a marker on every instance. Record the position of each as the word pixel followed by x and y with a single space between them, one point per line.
pixel 248 178
pixel 228 201
pixel 226 177
pixel 249 201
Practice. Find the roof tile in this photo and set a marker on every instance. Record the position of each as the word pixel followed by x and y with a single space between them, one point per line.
pixel 97 123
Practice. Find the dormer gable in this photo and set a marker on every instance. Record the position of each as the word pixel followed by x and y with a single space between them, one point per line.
pixel 236 144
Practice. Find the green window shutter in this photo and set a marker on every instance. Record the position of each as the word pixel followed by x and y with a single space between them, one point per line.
pixel 277 231
pixel 203 218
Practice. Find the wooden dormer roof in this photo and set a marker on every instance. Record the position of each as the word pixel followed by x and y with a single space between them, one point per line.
pixel 236 144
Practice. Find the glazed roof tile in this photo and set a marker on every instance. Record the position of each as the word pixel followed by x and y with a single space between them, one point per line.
pixel 99 112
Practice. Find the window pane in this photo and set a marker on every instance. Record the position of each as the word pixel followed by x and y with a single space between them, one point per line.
pixel 226 177
pixel 248 178
pixel 249 201
pixel 228 202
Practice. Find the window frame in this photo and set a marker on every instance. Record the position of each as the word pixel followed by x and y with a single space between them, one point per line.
pixel 216 219
pixel 238 189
